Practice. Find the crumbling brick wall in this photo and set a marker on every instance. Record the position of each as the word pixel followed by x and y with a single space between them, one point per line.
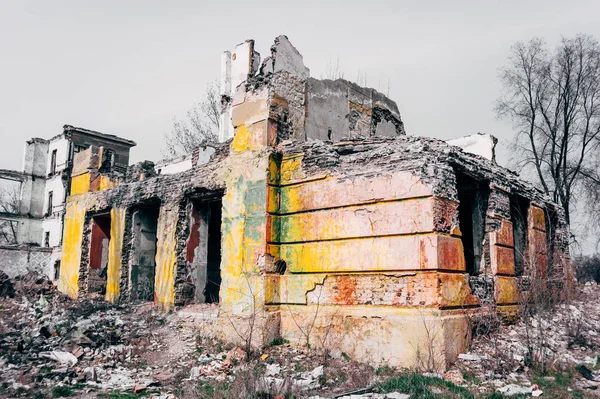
pixel 137 190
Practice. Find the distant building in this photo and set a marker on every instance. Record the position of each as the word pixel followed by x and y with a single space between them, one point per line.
pixel 45 184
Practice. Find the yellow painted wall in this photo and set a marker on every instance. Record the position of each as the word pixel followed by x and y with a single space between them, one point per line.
pixel 244 231
pixel 366 220
pixel 80 184
pixel 115 251
pixel 105 183
pixel 166 241
pixel 356 234
pixel 71 251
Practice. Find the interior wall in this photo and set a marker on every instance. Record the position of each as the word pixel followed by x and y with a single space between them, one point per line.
pixel 203 252
pixel 143 253
pixel 99 254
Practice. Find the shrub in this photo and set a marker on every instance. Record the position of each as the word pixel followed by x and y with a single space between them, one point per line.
pixel 587 268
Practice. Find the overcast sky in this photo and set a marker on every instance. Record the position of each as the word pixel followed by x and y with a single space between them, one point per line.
pixel 129 67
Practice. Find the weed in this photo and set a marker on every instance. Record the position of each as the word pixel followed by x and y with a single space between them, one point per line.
pixel 345 356
pixel 597 364
pixel 322 379
pixel 496 395
pixel 385 371
pixel 278 341
pixel 556 384
pixel 62 392
pixel 124 395
pixel 470 378
pixel 419 386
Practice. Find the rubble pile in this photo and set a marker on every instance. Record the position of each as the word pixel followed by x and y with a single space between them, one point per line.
pixel 563 339
pixel 49 341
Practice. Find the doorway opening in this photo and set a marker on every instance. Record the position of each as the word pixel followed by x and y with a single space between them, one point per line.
pixel 203 254
pixel 143 254
pixel 100 242
pixel 473 199
pixel 519 210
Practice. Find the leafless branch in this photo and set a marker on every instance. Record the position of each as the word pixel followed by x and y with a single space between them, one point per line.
pixel 553 101
pixel 200 128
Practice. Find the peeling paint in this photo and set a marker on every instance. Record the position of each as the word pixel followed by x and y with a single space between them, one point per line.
pixel 115 250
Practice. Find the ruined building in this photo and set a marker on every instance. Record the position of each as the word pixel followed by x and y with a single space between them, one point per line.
pixel 317 219
pixel 44 184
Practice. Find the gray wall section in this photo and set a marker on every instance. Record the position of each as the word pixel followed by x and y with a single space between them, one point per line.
pixel 339 109
pixel 382 101
pixel 34 159
pixel 386 129
pixel 121 150
pixel 326 108
pixel 23 260
pixel 143 253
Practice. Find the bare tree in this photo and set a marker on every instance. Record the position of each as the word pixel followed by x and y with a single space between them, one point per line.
pixel 9 203
pixel 553 100
pixel 200 128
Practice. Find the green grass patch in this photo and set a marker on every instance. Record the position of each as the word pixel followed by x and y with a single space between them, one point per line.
pixel 385 371
pixel 556 384
pixel 471 379
pixel 278 341
pixel 597 365
pixel 422 387
pixel 125 395
pixel 62 392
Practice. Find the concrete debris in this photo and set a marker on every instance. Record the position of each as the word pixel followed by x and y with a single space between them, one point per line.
pixel 62 357
pixel 390 395
pixel 503 359
pixel 309 380
pixel 513 389
pixel 272 370
pixel 130 349
pixel 468 356
pixel 396 395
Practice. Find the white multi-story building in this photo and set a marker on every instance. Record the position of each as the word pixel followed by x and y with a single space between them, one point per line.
pixel 45 184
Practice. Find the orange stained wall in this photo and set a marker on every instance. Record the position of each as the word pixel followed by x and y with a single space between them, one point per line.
pixel 348 233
